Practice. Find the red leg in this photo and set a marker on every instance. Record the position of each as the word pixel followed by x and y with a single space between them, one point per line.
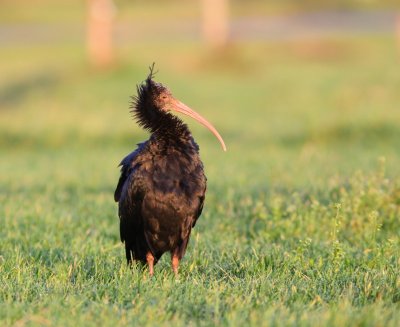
pixel 150 262
pixel 175 263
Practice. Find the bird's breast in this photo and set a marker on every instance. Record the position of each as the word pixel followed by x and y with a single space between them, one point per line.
pixel 172 199
pixel 177 178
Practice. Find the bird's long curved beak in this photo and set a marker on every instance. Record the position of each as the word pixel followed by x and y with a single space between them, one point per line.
pixel 184 109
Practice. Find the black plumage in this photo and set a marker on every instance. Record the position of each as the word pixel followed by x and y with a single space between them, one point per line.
pixel 162 185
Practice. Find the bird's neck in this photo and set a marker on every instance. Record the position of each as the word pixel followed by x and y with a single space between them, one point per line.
pixel 171 131
pixel 166 128
pixel 161 144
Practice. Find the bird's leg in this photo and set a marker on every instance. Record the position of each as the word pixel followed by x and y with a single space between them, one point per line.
pixel 175 263
pixel 128 256
pixel 150 262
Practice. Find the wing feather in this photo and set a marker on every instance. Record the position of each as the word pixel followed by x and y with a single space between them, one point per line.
pixel 127 166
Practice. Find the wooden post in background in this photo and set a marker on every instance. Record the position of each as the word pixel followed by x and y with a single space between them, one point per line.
pixel 100 32
pixel 215 25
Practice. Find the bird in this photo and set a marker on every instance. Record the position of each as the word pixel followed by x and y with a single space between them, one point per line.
pixel 162 186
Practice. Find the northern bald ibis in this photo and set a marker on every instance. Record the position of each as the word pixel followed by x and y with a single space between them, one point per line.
pixel 162 186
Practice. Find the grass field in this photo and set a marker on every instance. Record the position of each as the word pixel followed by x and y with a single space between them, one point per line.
pixel 301 225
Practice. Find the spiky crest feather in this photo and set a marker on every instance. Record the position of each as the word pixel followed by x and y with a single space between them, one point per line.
pixel 162 124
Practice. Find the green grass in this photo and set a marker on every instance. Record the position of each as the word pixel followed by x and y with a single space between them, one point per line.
pixel 301 224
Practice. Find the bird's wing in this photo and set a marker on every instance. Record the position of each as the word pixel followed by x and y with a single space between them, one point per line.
pixel 201 204
pixel 191 222
pixel 127 165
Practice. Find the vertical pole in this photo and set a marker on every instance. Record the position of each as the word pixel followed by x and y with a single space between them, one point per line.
pixel 215 26
pixel 100 32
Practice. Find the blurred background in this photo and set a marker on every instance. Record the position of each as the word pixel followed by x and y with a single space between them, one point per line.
pixel 301 91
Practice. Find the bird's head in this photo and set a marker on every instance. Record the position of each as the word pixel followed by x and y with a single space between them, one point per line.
pixel 157 97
